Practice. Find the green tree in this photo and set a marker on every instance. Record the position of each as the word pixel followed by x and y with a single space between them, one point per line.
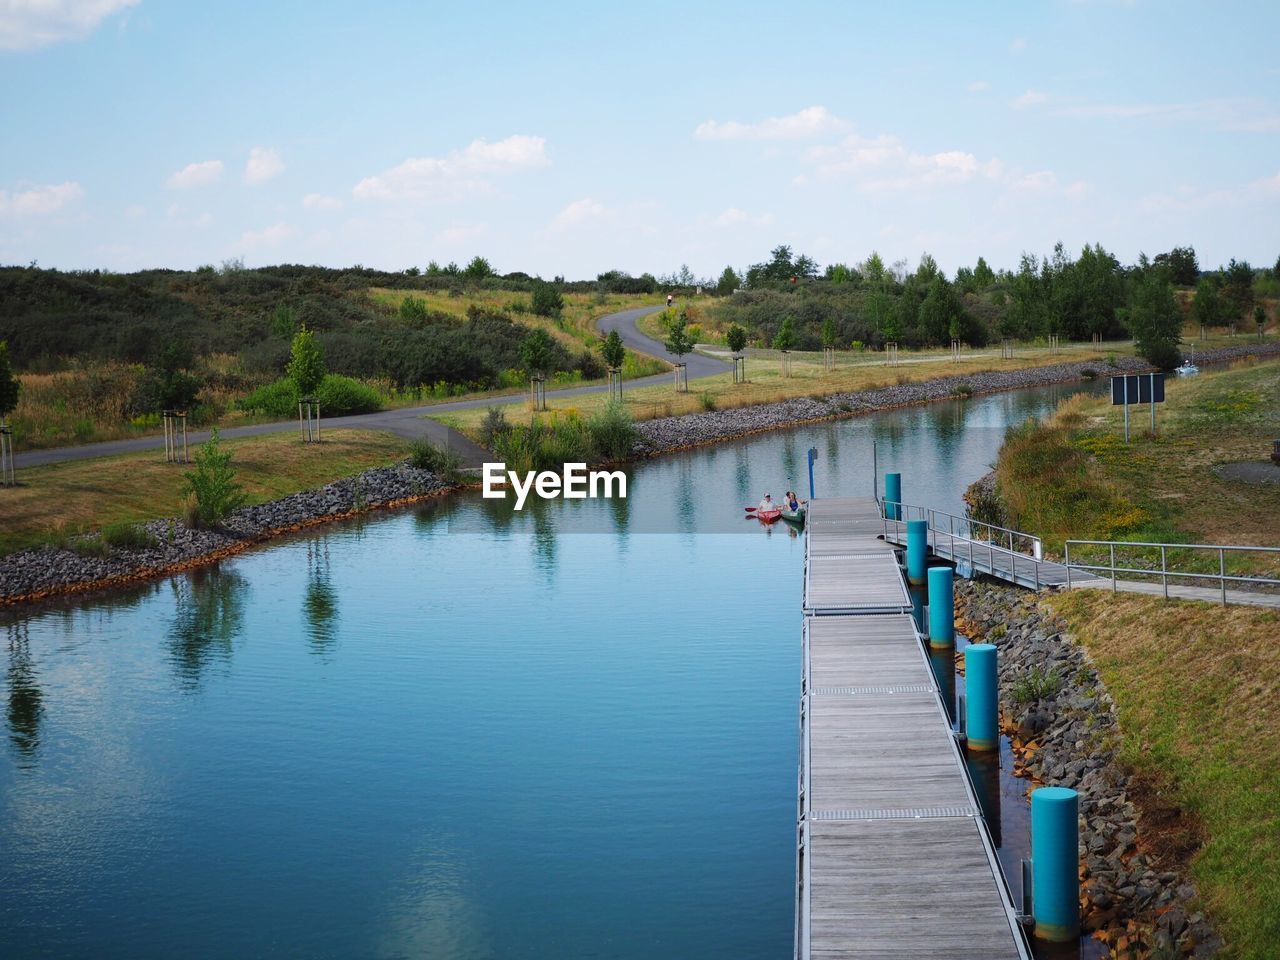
pixel 1207 308
pixel 168 384
pixel 1237 287
pixel 983 275
pixel 413 310
pixel 727 283
pixel 829 332
pixel 785 338
pixel 306 363
pixel 874 272
pixel 1154 317
pixel 736 337
pixel 679 341
pixel 478 269
pixel 613 351
pixel 841 273
pixel 213 484
pixel 1184 268
pixel 546 299
pixel 536 351
pixel 10 386
pixel 1260 316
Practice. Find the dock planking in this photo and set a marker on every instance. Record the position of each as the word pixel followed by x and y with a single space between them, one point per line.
pixel 894 859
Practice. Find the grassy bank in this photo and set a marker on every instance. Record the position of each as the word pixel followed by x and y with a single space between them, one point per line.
pixel 1196 688
pixel 808 378
pixel 1075 477
pixel 61 500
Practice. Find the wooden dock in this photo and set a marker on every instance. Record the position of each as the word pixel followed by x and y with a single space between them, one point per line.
pixel 894 859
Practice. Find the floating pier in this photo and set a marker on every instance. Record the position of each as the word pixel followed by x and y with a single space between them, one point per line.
pixel 894 860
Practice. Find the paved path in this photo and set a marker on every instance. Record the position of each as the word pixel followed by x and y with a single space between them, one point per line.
pixel 408 422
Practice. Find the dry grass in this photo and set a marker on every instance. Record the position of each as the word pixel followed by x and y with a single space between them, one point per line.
pixel 64 499
pixel 1197 688
pixel 808 379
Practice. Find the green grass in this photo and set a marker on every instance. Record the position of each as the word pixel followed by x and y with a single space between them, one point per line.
pixel 1196 688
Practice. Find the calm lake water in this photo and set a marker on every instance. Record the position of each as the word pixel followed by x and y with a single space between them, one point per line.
pixel 450 731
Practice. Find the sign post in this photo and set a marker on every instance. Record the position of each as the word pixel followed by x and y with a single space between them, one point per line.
pixel 1137 388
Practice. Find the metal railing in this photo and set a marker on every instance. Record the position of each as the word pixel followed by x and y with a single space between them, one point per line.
pixel 974 534
pixel 1222 578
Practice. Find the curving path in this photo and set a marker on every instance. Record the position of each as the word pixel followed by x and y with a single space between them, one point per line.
pixel 409 422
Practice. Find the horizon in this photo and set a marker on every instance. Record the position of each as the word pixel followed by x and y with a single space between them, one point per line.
pixel 595 140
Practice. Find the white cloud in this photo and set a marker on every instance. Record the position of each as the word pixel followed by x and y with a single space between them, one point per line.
pixel 734 217
pixel 320 201
pixel 39 200
pixel 263 164
pixel 1032 98
pixel 884 164
pixel 459 173
pixel 809 122
pixel 270 236
pixel 579 212
pixel 196 175
pixel 978 86
pixel 1036 182
pixel 28 24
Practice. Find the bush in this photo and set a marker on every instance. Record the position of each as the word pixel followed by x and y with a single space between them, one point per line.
pixel 424 455
pixel 212 484
pixel 339 396
pixel 493 426
pixel 613 434
pixel 546 300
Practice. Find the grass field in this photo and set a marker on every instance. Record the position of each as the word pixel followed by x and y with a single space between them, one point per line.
pixel 1075 477
pixel 766 384
pixel 61 500
pixel 1197 687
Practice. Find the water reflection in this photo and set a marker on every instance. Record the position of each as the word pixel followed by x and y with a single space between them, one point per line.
pixel 25 699
pixel 320 600
pixel 984 771
pixel 208 617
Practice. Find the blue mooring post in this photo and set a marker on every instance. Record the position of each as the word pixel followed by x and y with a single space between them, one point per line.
pixel 1055 864
pixel 981 699
pixel 893 496
pixel 813 454
pixel 917 550
pixel 942 609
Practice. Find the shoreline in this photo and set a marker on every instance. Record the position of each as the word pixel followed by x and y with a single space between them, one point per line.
pixel 31 576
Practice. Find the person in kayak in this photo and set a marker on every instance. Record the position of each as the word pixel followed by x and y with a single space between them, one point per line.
pixel 766 504
pixel 793 502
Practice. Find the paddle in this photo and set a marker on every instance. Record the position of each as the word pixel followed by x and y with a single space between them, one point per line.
pixel 750 509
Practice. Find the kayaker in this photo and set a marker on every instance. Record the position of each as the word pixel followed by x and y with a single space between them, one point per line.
pixel 766 504
pixel 793 503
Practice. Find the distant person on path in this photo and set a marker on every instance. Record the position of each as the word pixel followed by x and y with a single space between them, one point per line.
pixel 670 298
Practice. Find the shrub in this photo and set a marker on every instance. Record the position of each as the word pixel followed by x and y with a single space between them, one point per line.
pixel 306 363
pixel 213 484
pixel 708 401
pixel 1088 373
pixel 545 300
pixel 962 390
pixel 127 536
pixel 424 455
pixel 1036 685
pixel 339 396
pixel 613 434
pixel 493 426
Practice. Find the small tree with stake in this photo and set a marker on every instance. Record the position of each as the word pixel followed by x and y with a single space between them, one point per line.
pixel 615 354
pixel 828 343
pixel 307 370
pixel 736 337
pixel 10 387
pixel 783 341
pixel 535 354
pixel 679 342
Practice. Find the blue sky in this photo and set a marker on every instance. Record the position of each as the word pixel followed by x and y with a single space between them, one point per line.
pixel 571 138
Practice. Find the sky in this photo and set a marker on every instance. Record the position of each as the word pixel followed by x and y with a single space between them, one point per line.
pixel 573 138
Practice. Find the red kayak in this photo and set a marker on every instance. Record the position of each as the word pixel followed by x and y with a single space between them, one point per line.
pixel 769 516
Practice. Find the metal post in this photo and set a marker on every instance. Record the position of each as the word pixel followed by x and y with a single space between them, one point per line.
pixel 1114 588
pixel 1222 573
pixel 1055 863
pixel 893 495
pixel 1066 547
pixel 1126 415
pixel 1153 404
pixel 942 607
pixel 813 453
pixel 982 704
pixel 875 469
pixel 917 550
pixel 1164 569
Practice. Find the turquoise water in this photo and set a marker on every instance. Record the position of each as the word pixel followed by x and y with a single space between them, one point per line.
pixel 448 731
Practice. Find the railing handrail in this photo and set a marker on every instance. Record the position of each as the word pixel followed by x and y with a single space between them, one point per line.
pixel 929 512
pixel 1174 546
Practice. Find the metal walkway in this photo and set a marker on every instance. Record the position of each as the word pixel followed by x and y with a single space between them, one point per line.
pixel 894 860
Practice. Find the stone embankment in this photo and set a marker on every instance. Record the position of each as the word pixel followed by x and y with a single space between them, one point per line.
pixel 1063 726
pixel 674 433
pixel 32 574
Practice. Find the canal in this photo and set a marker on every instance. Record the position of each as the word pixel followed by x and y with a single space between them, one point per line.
pixel 449 731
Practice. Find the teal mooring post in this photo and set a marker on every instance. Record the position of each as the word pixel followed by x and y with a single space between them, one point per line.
pixel 981 703
pixel 1055 864
pixel 893 496
pixel 942 607
pixel 917 550
pixel 813 455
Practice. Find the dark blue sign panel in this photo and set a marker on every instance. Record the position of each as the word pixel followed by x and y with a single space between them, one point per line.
pixel 1138 388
